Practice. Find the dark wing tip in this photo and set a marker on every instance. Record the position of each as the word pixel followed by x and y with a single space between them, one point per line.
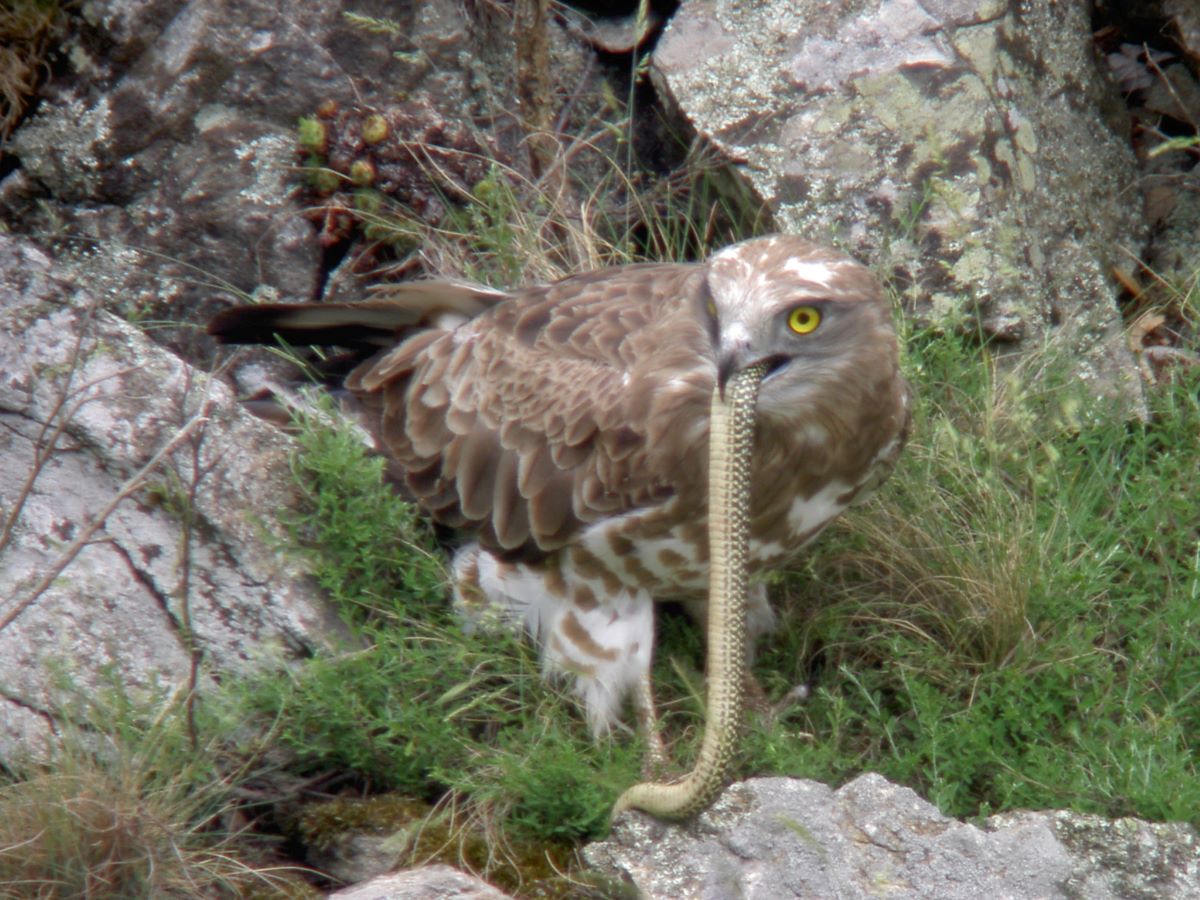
pixel 333 324
pixel 238 325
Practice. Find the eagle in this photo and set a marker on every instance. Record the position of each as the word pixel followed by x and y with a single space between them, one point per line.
pixel 562 429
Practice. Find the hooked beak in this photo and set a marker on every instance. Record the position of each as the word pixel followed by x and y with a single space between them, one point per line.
pixel 734 353
pixel 726 366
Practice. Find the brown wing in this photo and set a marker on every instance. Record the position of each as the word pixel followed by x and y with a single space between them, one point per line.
pixel 563 405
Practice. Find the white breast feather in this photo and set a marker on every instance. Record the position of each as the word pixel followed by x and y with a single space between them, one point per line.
pixel 622 627
pixel 818 509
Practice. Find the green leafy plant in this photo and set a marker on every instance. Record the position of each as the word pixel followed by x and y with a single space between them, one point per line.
pixel 374 553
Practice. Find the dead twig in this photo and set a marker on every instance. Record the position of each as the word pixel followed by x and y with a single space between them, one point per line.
pixel 44 447
pixel 131 486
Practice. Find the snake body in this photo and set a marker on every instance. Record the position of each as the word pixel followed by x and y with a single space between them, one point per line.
pixel 731 451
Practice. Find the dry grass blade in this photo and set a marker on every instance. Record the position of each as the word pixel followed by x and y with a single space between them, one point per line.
pixel 26 29
pixel 126 812
pixel 954 575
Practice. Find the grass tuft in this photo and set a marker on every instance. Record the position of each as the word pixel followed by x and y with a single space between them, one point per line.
pixel 125 805
pixel 28 30
pixel 1012 621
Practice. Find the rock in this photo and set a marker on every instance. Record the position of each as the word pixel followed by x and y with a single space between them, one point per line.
pixel 189 560
pixel 166 167
pixel 785 837
pixel 961 145
pixel 1119 857
pixel 424 883
pixel 353 839
pixel 613 33
pixel 359 857
pixel 177 146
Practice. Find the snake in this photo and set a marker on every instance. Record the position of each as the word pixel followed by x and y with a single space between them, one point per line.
pixel 730 456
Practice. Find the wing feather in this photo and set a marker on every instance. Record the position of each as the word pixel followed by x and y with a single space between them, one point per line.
pixel 580 428
pixel 537 416
pixel 510 514
pixel 550 514
pixel 535 470
pixel 567 456
pixel 476 473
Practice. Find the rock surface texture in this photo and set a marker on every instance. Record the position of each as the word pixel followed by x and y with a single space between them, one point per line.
pixel 425 883
pixel 138 512
pixel 158 173
pixel 961 144
pixel 170 144
pixel 776 838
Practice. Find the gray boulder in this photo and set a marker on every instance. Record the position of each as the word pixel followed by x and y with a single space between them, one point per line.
pixel 962 145
pixel 139 513
pixel 425 883
pixel 775 838
pixel 165 168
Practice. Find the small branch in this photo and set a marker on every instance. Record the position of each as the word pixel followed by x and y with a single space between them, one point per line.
pixel 133 484
pixel 199 471
pixel 44 449
pixel 40 452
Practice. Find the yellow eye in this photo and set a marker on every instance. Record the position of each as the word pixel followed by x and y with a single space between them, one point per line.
pixel 712 309
pixel 804 319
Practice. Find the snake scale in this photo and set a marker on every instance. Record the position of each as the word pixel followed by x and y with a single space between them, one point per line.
pixel 730 455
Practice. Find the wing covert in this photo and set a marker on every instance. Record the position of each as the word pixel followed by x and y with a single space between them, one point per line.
pixel 538 416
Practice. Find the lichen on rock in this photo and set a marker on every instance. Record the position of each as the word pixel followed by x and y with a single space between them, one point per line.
pixel 959 146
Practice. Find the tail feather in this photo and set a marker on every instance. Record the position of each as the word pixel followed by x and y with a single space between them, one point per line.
pixel 378 322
